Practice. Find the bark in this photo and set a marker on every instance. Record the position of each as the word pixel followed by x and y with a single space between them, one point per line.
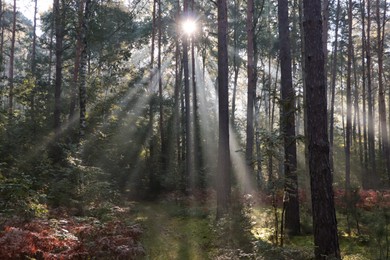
pixel 381 91
pixel 373 180
pixel 11 66
pixel 59 35
pixel 364 94
pixel 333 87
pixel 349 102
pixel 224 163
pixel 251 71
pixel 291 202
pixel 83 70
pixel 33 65
pixel 236 63
pixel 188 140
pixel 324 215
pixel 76 69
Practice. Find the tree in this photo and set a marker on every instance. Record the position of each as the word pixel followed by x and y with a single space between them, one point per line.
pixel 349 102
pixel 381 92
pixel 291 202
pixel 83 68
pixel 251 70
pixel 373 178
pixel 59 36
pixel 224 163
pixel 324 215
pixel 11 66
pixel 188 140
pixel 333 86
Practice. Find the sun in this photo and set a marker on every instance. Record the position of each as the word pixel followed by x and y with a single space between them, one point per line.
pixel 189 27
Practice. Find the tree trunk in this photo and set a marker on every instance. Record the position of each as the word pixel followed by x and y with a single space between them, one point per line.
pixel 373 179
pixel 59 35
pixel 324 215
pixel 291 202
pixel 163 153
pixel 236 63
pixel 11 66
pixel 365 175
pixel 349 103
pixel 251 70
pixel 381 91
pixel 33 68
pixel 224 163
pixel 76 69
pixel 333 88
pixel 83 70
pixel 188 140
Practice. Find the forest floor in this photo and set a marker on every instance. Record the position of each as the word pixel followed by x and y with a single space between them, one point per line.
pixel 177 228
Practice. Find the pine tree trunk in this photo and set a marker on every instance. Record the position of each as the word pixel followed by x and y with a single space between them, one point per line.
pixel 324 215
pixel 188 134
pixel 365 175
pixel 83 70
pixel 59 35
pixel 373 179
pixel 333 88
pixel 33 68
pixel 11 66
pixel 349 102
pixel 224 163
pixel 291 202
pixel 381 91
pixel 251 71
pixel 76 69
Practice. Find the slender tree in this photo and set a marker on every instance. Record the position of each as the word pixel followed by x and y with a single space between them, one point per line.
pixel 291 202
pixel 373 178
pixel 188 140
pixel 324 215
pixel 380 25
pixel 224 163
pixel 251 70
pixel 59 36
pixel 11 65
pixel 34 64
pixel 76 69
pixel 333 86
pixel 365 184
pixel 83 69
pixel 349 102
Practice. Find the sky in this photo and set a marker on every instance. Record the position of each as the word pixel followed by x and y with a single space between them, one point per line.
pixel 27 8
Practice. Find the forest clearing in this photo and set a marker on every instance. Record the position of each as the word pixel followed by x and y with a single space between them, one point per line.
pixel 183 129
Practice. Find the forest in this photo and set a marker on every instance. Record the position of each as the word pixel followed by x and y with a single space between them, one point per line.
pixel 183 129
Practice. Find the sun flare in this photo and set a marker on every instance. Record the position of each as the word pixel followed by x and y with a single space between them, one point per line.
pixel 189 27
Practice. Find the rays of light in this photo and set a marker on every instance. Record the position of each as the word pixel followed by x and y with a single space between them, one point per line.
pixel 189 27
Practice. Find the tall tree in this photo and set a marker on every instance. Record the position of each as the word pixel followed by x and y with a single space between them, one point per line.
pixel 224 163
pixel 11 65
pixel 349 102
pixel 33 67
pixel 251 70
pixel 373 179
pixel 364 94
pixel 59 36
pixel 380 26
pixel 83 68
pixel 291 202
pixel 333 86
pixel 324 215
pixel 76 69
pixel 188 140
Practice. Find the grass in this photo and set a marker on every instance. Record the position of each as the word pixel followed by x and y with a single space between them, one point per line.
pixel 174 232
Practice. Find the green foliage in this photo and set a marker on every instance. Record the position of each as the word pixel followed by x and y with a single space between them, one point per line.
pixel 17 197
